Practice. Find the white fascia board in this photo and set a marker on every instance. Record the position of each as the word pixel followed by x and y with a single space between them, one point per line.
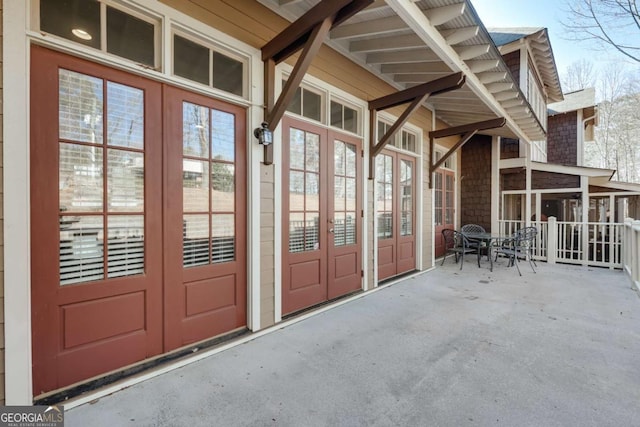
pixel 422 27
pixel 518 162
pixel 573 170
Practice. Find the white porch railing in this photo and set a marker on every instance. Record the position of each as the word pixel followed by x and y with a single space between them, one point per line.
pixel 591 243
pixel 631 250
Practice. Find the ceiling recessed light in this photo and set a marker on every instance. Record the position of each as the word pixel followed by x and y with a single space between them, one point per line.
pixel 81 34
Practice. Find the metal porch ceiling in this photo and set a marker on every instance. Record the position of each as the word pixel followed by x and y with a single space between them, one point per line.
pixel 406 43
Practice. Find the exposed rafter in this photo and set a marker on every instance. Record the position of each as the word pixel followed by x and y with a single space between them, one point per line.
pixel 416 96
pixel 440 15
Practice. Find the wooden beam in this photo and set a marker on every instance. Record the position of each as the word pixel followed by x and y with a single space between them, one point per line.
pixel 307 33
pixel 492 77
pixel 459 130
pixel 417 103
pixel 416 95
pixel 310 50
pixel 292 38
pixel 444 84
pixel 463 140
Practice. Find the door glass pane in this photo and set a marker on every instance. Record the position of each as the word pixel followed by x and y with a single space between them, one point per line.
pixel 312 231
pixel 312 152
pixel 406 200
pixel 339 230
pixel 350 228
pixel 195 130
pixel 223 194
pixel 195 185
pixel 223 136
pixel 312 186
pixel 125 116
pixel 296 149
pixel 384 203
pixel 350 196
pixel 304 190
pixel 195 240
pixel 339 193
pixel 81 249
pixel 125 181
pixel 344 193
pixel 296 191
pixel 125 245
pixel 80 107
pixel 130 37
pixel 223 243
pixel 296 232
pixel 80 178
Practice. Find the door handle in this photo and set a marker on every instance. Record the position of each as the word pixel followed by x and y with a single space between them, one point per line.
pixel 331 230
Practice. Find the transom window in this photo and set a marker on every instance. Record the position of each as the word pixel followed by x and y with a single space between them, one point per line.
pixel 208 66
pixel 404 140
pixel 306 103
pixel 449 163
pixel 129 34
pixel 344 117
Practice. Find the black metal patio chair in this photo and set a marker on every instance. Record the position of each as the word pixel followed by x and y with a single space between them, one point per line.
pixel 520 246
pixel 457 243
pixel 476 244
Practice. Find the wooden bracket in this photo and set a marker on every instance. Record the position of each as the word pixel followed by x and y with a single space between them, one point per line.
pixel 467 132
pixel 416 96
pixel 307 33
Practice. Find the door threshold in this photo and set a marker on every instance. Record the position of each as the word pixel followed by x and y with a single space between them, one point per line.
pixel 75 391
pixel 320 305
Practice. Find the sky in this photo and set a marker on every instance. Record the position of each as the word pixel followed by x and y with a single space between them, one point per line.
pixel 542 13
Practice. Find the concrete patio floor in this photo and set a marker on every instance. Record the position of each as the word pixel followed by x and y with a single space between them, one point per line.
pixel 446 348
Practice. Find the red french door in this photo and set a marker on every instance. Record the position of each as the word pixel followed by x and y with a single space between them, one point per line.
pixel 396 219
pixel 205 223
pixel 444 193
pixel 322 226
pixel 137 243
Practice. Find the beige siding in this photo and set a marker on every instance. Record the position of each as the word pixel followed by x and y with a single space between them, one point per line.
pixel 267 256
pixel 1 226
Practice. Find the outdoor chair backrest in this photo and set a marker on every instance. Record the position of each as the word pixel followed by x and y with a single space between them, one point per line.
pixel 473 228
pixel 453 239
pixel 525 237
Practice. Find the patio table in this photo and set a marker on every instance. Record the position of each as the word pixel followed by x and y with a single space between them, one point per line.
pixel 488 240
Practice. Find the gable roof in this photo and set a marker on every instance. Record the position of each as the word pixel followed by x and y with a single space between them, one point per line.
pixel 538 38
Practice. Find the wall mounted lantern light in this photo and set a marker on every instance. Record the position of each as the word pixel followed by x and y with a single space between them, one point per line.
pixel 264 135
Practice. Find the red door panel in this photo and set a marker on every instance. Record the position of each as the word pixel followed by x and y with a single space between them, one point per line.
pixel 91 310
pixel 126 261
pixel 205 226
pixel 396 213
pixel 322 225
